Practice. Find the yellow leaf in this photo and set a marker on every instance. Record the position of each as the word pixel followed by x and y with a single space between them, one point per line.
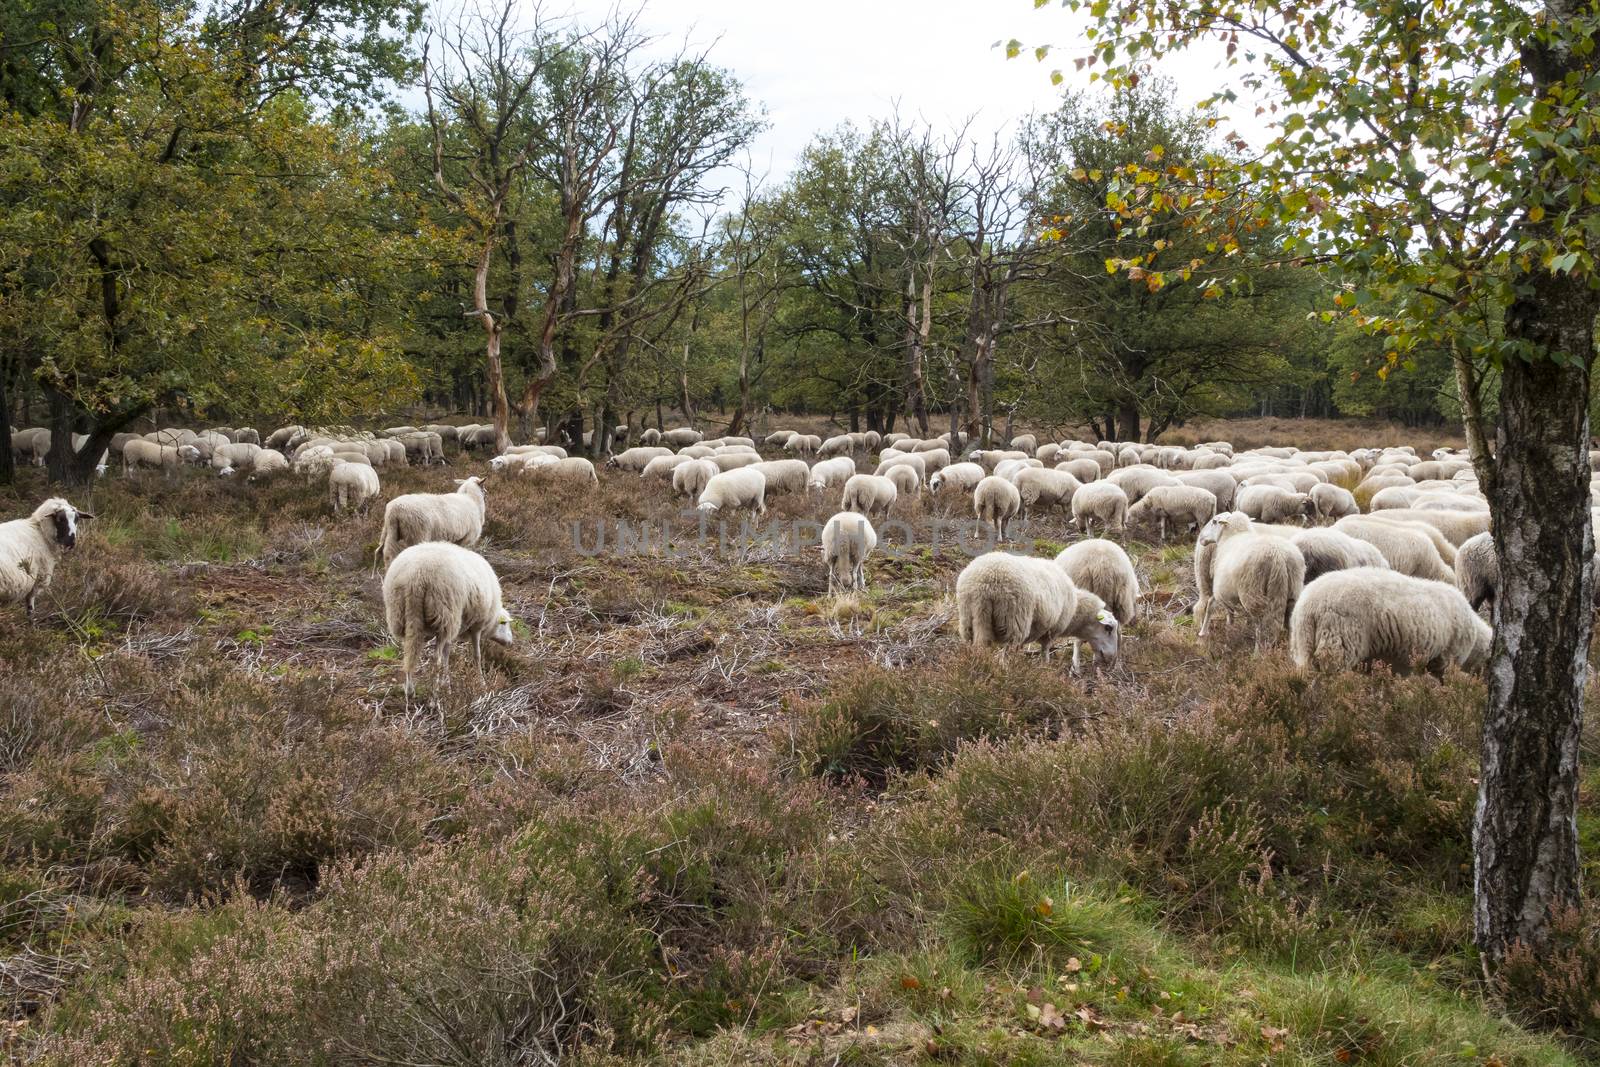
pixel 1536 213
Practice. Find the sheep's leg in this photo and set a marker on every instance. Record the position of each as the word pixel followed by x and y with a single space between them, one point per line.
pixel 477 655
pixel 1077 647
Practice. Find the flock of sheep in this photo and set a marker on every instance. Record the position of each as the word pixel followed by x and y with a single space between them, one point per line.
pixel 1280 542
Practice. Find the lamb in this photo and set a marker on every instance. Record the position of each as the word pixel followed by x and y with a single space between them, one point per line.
pixel 1359 617
pixel 417 517
pixel 847 540
pixel 1327 550
pixel 1042 488
pixel 1102 502
pixel 784 476
pixel 1101 567
pixel 831 472
pixel 868 494
pixel 732 490
pixel 31 547
pixel 1003 599
pixel 996 501
pixel 1478 571
pixel 962 477
pixel 1405 545
pixel 1271 503
pixel 1333 502
pixel 636 459
pixel 1254 573
pixel 906 482
pixel 351 485
pixel 444 592
pixel 690 479
pixel 1185 504
pixel 1219 484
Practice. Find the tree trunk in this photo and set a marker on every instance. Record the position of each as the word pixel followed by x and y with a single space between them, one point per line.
pixel 684 401
pixel 1127 428
pixel 1525 834
pixel 492 330
pixel 8 466
pixel 915 339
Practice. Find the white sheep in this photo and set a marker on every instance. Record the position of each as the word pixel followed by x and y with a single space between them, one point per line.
pixel 803 444
pixel 1102 567
pixel 1186 505
pixel 1455 527
pixel 731 490
pixel 903 459
pixel 443 592
pixel 962 477
pixel 1218 483
pixel 1254 573
pixel 574 469
pixel 1360 617
pixel 662 467
pixel 31 547
pixel 1333 502
pixel 1273 503
pixel 142 453
pixel 1042 488
pixel 1003 599
pixel 831 472
pixel 784 476
pixel 413 518
pixel 690 479
pixel 637 459
pixel 1478 571
pixel 1085 470
pixel 728 461
pixel 1102 502
pixel 847 540
pixel 996 501
pixel 1136 481
pixel 352 485
pixel 1407 546
pixel 1327 550
pixel 906 482
pixel 868 494
pixel 780 438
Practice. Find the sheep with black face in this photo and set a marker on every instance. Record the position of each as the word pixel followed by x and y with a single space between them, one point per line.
pixel 31 547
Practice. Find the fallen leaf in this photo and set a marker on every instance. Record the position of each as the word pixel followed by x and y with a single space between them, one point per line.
pixel 1074 965
pixel 909 981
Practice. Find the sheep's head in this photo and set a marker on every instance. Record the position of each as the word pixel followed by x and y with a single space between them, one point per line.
pixel 499 463
pixel 60 520
pixel 189 453
pixel 708 506
pixel 1105 636
pixel 501 634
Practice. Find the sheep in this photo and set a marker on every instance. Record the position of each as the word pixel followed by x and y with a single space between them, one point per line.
pixel 245 435
pixel 1137 481
pixel 784 476
pixel 441 591
pixel 267 461
pixel 314 461
pixel 779 438
pixel 1219 484
pixel 1185 504
pixel 734 489
pixel 1333 502
pixel 680 437
pixel 1008 468
pixel 991 458
pixel 1254 573
pixel 1360 617
pixel 228 458
pixel 868 494
pixel 1406 546
pixel 1102 502
pixel 689 479
pixel 838 445
pixel 803 444
pixel 847 540
pixel 574 469
pixel 1047 453
pixel 1101 567
pixel 636 459
pixel 906 482
pixel 996 501
pixel 31 547
pixel 1085 470
pixel 831 472
pixel 1003 599
pixel 662 466
pixel 1042 488
pixel 914 462
pixel 727 461
pixel 1327 550
pixel 1025 443
pixel 1271 503
pixel 1456 527
pixel 142 453
pixel 650 436
pixel 1478 571
pixel 351 485
pixel 413 518
pixel 962 477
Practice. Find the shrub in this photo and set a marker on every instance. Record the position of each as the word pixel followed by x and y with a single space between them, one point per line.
pixel 1561 988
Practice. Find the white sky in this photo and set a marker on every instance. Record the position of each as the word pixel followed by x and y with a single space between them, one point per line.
pixel 815 63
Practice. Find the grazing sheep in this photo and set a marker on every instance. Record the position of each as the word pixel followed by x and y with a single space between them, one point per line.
pixel 651 436
pixel 30 548
pixel 784 476
pixel 962 477
pixel 868 494
pixel 1220 484
pixel 1456 527
pixel 803 444
pixel 417 517
pixel 838 445
pixel 690 479
pixel 574 469
pixel 681 437
pixel 728 461
pixel 351 485
pixel 442 592
pixel 1139 480
pixel 734 489
pixel 1333 502
pixel 996 501
pixel 1478 571
pixel 1274 504
pixel 1103 502
pixel 1101 567
pixel 268 461
pixel 142 453
pixel 1042 488
pixel 904 477
pixel 779 438
pixel 1360 617
pixel 662 466
pixel 1003 599
pixel 233 457
pixel 1047 453
pixel 1406 546
pixel 831 472
pixel 847 540
pixel 914 463
pixel 1327 550
pixel 314 461
pixel 1186 504
pixel 1026 442
pixel 1085 470
pixel 1254 573
pixel 636 459
pixel 1008 468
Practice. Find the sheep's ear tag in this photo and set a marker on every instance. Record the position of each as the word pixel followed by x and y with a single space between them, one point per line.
pixel 1105 617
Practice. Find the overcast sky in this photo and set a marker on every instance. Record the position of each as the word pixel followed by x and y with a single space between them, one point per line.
pixel 815 63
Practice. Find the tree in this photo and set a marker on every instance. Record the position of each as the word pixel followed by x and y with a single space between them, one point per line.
pixel 1442 158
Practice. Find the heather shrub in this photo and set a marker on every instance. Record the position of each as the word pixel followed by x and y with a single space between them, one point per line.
pixel 1563 988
